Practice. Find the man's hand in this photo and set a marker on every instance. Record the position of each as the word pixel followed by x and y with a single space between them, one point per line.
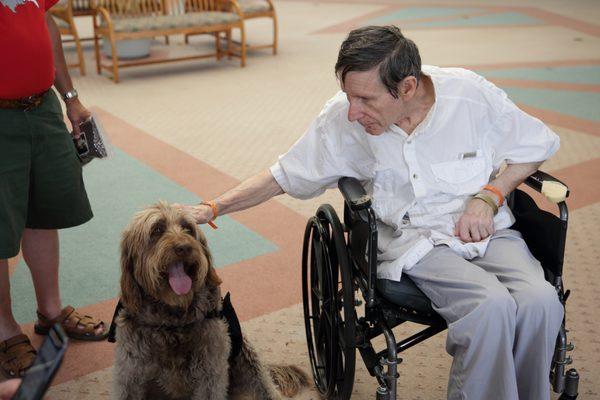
pixel 476 223
pixel 76 113
pixel 9 388
pixel 202 213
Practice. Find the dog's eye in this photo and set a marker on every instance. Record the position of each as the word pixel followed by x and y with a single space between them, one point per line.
pixel 187 228
pixel 157 230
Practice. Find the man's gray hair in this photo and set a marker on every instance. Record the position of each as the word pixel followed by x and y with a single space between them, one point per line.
pixel 379 46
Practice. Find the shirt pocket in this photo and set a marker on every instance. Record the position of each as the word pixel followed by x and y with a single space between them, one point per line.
pixel 460 177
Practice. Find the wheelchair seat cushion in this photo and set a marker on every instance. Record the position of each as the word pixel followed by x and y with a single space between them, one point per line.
pixel 405 294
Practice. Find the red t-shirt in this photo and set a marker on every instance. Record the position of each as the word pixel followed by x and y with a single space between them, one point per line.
pixel 26 58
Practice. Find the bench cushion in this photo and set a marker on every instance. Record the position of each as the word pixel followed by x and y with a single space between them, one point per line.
pixel 189 20
pixel 252 6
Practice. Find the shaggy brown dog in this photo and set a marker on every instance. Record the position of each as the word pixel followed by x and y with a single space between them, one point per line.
pixel 169 336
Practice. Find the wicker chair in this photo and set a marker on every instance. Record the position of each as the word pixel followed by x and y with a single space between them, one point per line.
pixel 139 19
pixel 256 9
pixel 63 14
pixel 260 9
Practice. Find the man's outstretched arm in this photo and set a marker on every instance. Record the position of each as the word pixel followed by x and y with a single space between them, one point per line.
pixel 253 191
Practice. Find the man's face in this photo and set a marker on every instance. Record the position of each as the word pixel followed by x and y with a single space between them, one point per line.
pixel 370 102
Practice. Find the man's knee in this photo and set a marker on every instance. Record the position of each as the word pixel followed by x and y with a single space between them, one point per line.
pixel 539 299
pixel 494 304
pixel 500 303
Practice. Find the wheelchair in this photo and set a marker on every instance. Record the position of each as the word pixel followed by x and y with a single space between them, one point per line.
pixel 339 260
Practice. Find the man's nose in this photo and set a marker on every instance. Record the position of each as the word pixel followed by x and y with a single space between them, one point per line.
pixel 354 112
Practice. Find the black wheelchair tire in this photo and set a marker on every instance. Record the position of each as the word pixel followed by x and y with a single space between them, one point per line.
pixel 322 349
pixel 324 235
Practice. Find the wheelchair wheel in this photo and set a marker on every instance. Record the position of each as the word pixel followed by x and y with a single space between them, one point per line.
pixel 329 315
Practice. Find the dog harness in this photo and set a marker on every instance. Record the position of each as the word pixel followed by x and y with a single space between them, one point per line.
pixel 227 314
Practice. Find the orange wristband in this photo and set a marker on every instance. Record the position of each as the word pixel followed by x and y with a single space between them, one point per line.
pixel 497 192
pixel 215 211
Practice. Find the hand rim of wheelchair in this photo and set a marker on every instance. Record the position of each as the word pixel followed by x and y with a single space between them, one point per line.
pixel 324 242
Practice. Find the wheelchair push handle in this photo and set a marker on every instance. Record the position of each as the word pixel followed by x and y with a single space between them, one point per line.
pixel 553 189
pixel 354 194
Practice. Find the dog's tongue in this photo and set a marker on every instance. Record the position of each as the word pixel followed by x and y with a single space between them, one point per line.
pixel 180 282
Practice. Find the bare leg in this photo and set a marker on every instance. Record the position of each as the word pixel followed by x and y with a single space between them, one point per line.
pixel 41 253
pixel 8 325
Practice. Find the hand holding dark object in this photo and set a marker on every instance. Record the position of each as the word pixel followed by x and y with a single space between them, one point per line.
pixel 77 114
pixel 91 142
pixel 9 388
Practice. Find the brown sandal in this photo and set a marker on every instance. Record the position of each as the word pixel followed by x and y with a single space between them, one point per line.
pixel 16 356
pixel 77 326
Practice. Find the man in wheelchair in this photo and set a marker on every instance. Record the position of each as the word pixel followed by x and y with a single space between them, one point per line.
pixel 427 145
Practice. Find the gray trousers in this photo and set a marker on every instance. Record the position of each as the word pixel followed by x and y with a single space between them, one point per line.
pixel 503 319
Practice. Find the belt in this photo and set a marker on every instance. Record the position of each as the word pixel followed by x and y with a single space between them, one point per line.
pixel 26 103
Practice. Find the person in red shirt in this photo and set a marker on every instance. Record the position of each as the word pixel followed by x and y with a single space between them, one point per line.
pixel 41 185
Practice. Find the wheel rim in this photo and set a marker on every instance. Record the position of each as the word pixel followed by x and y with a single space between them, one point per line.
pixel 329 312
pixel 345 311
pixel 319 309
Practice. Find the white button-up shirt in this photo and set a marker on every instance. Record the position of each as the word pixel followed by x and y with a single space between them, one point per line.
pixel 420 183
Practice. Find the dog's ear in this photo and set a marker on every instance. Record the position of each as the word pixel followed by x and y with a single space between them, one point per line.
pixel 131 292
pixel 212 279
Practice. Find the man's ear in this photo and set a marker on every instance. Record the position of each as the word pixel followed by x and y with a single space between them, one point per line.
pixel 407 87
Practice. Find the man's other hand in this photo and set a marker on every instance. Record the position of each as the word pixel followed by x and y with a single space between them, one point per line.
pixel 9 388
pixel 76 113
pixel 476 223
pixel 202 213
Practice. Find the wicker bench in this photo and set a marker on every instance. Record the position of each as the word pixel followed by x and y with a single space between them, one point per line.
pixel 141 19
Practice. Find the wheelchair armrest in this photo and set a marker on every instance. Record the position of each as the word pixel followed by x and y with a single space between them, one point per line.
pixel 553 189
pixel 354 194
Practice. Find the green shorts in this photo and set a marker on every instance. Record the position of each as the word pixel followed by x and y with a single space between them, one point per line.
pixel 41 185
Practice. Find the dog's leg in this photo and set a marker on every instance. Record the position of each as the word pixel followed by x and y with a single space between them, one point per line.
pixel 128 384
pixel 249 377
pixel 213 386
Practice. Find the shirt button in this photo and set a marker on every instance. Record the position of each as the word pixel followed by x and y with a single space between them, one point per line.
pixel 415 176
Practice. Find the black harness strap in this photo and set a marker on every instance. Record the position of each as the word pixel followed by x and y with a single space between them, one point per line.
pixel 228 314
pixel 112 332
pixel 235 330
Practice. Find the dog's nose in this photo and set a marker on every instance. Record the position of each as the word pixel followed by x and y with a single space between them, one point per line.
pixel 183 250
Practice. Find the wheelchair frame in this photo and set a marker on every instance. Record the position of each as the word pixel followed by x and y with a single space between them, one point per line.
pixel 340 259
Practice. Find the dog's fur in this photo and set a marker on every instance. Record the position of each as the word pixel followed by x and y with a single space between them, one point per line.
pixel 164 340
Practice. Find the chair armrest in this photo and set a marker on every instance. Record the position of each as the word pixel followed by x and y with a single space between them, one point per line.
pixel 103 13
pixel 553 189
pixel 354 194
pixel 235 7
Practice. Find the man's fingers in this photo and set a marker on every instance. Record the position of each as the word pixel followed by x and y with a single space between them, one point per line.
pixel 474 231
pixel 9 388
pixel 464 232
pixel 483 232
pixel 76 131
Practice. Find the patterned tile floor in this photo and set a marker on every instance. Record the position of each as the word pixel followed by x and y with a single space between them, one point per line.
pixel 187 131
